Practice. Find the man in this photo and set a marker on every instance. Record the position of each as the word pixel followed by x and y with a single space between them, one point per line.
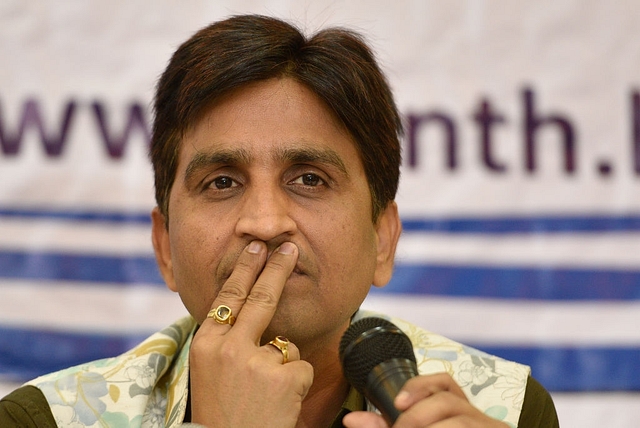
pixel 276 160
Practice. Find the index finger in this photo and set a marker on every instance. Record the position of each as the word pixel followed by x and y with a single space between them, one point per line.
pixel 237 287
pixel 262 301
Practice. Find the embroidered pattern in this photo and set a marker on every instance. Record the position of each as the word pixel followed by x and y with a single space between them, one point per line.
pixel 148 385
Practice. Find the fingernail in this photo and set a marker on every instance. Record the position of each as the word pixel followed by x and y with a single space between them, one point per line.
pixel 287 248
pixel 254 247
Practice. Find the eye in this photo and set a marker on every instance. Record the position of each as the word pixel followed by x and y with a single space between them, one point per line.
pixel 309 179
pixel 221 183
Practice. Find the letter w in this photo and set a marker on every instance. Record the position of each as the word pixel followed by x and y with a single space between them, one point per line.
pixel 116 145
pixel 31 116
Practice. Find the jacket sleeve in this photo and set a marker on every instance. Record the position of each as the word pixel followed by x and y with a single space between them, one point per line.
pixel 26 407
pixel 538 409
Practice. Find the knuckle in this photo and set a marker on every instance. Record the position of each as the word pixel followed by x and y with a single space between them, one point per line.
pixel 282 380
pixel 261 368
pixel 279 264
pixel 232 290
pixel 308 368
pixel 228 351
pixel 202 348
pixel 199 346
pixel 245 266
pixel 262 297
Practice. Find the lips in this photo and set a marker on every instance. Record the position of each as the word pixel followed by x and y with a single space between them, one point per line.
pixel 229 268
pixel 297 270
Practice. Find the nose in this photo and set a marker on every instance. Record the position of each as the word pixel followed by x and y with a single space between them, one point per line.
pixel 265 214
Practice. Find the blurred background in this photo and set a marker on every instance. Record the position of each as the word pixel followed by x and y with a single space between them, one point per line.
pixel 519 194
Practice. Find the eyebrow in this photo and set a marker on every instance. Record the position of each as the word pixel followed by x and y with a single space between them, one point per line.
pixel 204 159
pixel 313 155
pixel 241 157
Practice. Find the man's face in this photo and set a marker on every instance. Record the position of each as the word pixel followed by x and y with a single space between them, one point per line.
pixel 271 162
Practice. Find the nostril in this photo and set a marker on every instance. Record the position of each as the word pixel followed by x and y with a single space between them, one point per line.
pixel 265 225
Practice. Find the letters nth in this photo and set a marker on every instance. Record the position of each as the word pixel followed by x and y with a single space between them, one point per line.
pixel 487 118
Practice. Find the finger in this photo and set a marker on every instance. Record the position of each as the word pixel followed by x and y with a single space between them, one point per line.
pixel 420 387
pixel 235 290
pixel 302 375
pixel 439 407
pixel 364 420
pixel 261 303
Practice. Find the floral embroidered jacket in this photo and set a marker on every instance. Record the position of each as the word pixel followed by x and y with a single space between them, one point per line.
pixel 148 385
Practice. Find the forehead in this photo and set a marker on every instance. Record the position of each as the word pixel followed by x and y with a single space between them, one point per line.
pixel 262 118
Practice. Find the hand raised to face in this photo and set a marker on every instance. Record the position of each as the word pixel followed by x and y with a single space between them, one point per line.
pixel 234 380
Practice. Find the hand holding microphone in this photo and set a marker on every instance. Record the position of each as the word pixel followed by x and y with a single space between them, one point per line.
pixel 378 360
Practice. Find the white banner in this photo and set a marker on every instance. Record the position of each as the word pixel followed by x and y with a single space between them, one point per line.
pixel 519 189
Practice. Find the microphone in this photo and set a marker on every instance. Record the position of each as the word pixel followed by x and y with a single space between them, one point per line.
pixel 377 359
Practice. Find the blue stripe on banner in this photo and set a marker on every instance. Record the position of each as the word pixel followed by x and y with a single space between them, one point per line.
pixel 514 282
pixel 27 353
pixel 468 281
pixel 467 225
pixel 74 267
pixel 577 369
pixel 528 224
pixel 77 215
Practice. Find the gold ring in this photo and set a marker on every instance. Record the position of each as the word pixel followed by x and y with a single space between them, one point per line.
pixel 282 343
pixel 222 315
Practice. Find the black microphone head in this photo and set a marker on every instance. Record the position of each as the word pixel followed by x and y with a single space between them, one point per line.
pixel 369 342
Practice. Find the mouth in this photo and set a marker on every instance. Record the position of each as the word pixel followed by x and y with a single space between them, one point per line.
pixel 303 267
pixel 298 270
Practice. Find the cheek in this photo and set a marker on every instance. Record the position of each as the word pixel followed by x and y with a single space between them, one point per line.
pixel 195 249
pixel 349 248
pixel 195 234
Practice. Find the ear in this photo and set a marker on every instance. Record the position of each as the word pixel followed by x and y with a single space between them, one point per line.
pixel 388 230
pixel 162 247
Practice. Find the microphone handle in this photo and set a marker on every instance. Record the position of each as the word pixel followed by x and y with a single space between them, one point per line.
pixel 384 382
